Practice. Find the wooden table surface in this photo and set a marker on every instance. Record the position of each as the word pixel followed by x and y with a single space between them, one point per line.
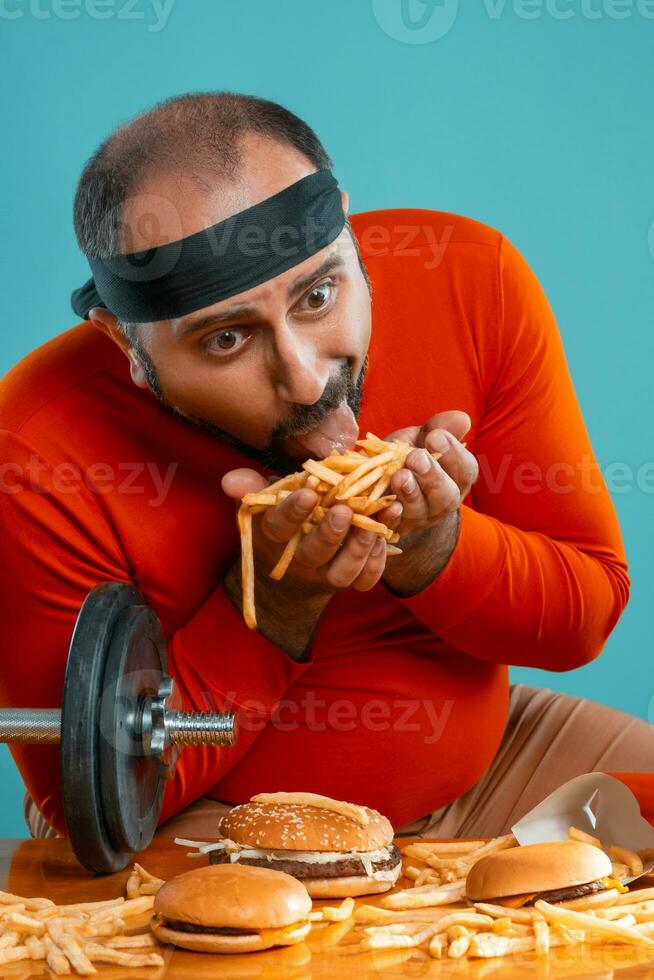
pixel 47 868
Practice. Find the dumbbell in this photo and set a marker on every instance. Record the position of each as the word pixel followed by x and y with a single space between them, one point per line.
pixel 120 728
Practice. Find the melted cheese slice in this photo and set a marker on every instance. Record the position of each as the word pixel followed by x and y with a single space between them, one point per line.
pixel 279 937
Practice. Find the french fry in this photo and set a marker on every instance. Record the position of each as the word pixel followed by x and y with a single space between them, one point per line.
pixel 14 954
pixel 598 900
pixel 322 471
pixel 104 954
pixel 36 948
pixel 452 864
pixel 90 906
pixel 463 920
pixel 630 858
pixel 413 873
pixel 638 895
pixel 33 904
pixel 575 834
pixel 438 946
pixel 133 885
pixel 374 914
pixel 148 888
pixel 25 924
pixel 286 558
pixel 340 912
pixel 72 950
pixel 140 941
pixel 459 947
pixel 8 939
pixel 55 959
pixel 414 898
pixel 247 566
pixel 426 876
pixel 457 848
pixel 367 524
pixel 387 940
pixel 541 936
pixel 501 911
pixel 497 844
pixel 488 944
pixel 591 923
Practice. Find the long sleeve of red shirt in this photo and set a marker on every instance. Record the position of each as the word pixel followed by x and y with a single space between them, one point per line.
pixel 539 545
pixel 403 702
pixel 66 545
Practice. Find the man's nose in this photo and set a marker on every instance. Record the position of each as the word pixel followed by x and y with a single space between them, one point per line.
pixel 300 373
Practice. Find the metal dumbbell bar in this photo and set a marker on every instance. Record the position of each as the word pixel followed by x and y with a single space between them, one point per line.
pixel 120 728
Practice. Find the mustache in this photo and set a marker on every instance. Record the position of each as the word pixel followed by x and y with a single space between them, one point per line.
pixel 302 418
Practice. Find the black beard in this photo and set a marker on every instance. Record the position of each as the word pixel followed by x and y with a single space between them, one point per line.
pixel 301 417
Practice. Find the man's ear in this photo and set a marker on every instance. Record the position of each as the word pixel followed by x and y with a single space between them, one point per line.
pixel 345 201
pixel 105 321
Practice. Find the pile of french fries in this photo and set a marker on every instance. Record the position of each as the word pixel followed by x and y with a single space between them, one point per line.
pixel 72 938
pixel 358 478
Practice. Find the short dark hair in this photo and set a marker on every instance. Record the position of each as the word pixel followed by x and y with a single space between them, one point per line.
pixel 199 132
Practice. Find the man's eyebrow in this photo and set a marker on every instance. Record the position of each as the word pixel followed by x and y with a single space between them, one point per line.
pixel 244 311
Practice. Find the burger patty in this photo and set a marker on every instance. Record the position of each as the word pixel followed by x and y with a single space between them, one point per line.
pixel 563 894
pixel 212 930
pixel 304 869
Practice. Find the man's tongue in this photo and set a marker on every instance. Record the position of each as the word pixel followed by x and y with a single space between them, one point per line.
pixel 337 432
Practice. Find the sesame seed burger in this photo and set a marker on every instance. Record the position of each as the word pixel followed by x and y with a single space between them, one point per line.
pixel 335 849
pixel 231 909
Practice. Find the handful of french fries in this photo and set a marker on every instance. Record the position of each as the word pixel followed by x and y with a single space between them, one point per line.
pixel 71 938
pixel 359 478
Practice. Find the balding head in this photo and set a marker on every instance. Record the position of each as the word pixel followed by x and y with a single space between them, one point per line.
pixel 196 140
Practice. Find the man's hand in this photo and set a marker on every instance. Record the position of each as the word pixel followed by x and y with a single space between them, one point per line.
pixel 430 492
pixel 331 557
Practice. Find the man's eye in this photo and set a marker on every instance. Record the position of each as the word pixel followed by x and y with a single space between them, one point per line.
pixel 226 340
pixel 319 296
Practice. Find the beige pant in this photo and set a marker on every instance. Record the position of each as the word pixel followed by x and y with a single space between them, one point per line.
pixel 549 738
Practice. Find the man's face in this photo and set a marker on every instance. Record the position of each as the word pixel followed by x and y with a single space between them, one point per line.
pixel 273 361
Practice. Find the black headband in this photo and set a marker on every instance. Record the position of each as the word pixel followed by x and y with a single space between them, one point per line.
pixel 218 262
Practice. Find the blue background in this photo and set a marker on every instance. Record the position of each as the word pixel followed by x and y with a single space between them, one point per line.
pixel 540 126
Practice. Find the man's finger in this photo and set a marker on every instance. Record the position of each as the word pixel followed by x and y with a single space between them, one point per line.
pixel 455 421
pixel 321 544
pixel 281 522
pixel 409 434
pixel 456 461
pixel 415 506
pixel 348 564
pixel 373 569
pixel 237 483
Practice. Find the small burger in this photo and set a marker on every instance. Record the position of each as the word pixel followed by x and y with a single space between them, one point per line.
pixel 553 872
pixel 231 909
pixel 335 849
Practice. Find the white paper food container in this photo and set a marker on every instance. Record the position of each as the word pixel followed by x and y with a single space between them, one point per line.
pixel 596 803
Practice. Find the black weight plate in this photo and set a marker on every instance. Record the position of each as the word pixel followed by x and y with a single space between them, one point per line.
pixel 132 784
pixel 80 764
